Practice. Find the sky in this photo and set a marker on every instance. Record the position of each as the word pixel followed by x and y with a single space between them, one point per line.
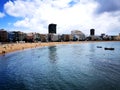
pixel 83 15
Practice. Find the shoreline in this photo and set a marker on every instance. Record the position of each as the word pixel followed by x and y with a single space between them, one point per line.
pixel 7 48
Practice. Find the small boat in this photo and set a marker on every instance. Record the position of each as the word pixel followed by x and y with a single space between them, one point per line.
pixel 99 46
pixel 109 48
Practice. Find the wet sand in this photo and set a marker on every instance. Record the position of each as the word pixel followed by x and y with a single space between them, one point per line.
pixel 6 48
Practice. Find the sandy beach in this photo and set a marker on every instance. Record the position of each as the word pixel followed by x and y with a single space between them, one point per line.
pixel 6 48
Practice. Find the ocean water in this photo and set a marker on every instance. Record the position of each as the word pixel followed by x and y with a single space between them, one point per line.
pixel 62 67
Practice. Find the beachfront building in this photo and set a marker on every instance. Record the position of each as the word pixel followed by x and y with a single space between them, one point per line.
pixel 98 38
pixel 3 35
pixel 49 37
pixel 117 38
pixel 11 37
pixel 29 37
pixel 65 37
pixel 16 35
pixel 44 37
pixel 102 36
pixel 21 36
pixel 71 37
pixel 78 35
pixel 36 37
pixel 106 37
pixel 55 38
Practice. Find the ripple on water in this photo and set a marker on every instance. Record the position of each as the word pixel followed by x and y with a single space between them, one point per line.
pixel 62 67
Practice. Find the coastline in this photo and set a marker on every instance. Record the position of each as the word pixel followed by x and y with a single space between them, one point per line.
pixel 7 48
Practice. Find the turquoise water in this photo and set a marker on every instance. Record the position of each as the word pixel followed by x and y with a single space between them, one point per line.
pixel 62 67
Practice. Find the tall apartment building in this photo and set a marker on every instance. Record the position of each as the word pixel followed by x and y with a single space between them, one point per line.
pixel 52 28
pixel 92 34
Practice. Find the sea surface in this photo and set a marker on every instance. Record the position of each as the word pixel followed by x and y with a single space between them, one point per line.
pixel 62 67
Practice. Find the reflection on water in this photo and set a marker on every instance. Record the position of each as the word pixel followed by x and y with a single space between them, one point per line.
pixel 52 54
pixel 62 67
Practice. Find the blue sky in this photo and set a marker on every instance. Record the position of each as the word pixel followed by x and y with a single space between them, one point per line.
pixel 6 19
pixel 35 15
pixel 2 2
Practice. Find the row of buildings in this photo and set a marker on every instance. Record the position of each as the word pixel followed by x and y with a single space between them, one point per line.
pixel 14 36
pixel 76 35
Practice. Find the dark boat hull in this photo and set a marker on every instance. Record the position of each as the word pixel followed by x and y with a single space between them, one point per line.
pixel 109 48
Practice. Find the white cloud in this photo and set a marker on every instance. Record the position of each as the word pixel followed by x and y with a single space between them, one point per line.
pixel 2 15
pixel 37 14
pixel 20 8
